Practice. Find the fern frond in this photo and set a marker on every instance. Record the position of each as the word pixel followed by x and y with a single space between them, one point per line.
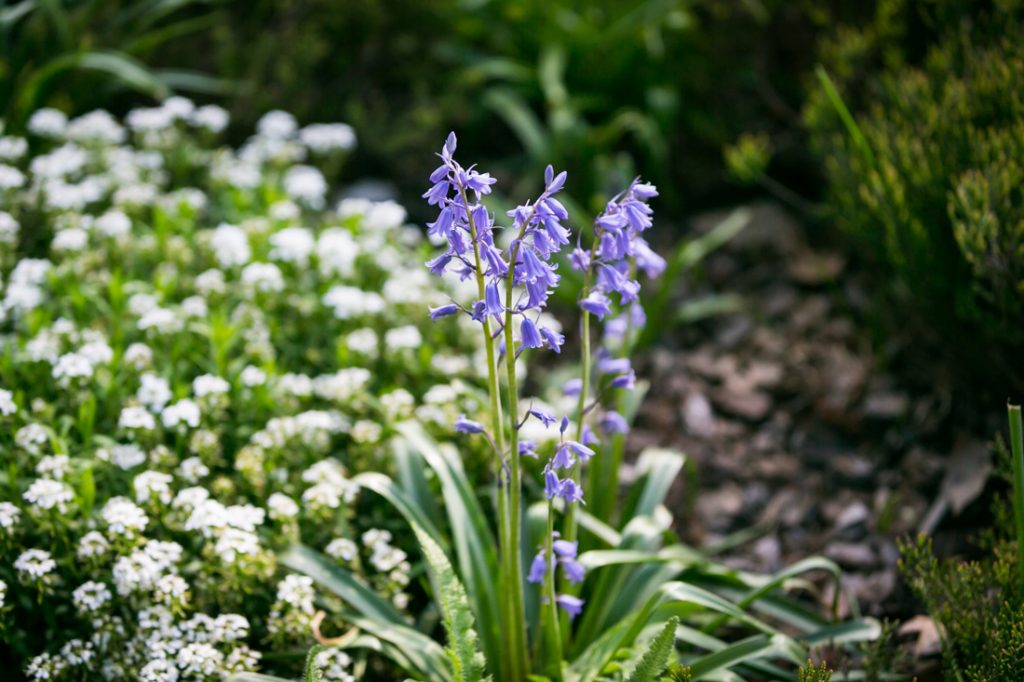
pixel 654 660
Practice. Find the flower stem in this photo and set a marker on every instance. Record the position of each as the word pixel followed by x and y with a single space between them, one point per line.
pixel 515 662
pixel 513 538
pixel 552 631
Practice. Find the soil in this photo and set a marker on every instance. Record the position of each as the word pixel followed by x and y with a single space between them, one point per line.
pixel 800 427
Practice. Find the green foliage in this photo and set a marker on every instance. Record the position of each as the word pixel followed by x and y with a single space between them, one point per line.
pixel 654 660
pixel 463 650
pixel 926 172
pixel 748 158
pixel 979 605
pixel 76 54
pixel 814 673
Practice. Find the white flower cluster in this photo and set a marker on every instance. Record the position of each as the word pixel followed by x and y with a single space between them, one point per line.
pixel 201 352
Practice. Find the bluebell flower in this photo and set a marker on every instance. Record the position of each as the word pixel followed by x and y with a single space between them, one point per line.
pixel 538 567
pixel 613 422
pixel 552 339
pixel 597 304
pixel 564 548
pixel 528 333
pixel 443 311
pixel 464 425
pixel 626 381
pixel 543 415
pixel 572 387
pixel 570 604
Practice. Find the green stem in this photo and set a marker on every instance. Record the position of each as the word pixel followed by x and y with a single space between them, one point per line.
pixel 514 665
pixel 513 538
pixel 1017 449
pixel 552 631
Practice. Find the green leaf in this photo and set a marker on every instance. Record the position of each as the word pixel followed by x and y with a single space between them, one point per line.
pixel 655 658
pixel 312 671
pixel 658 468
pixel 518 116
pixel 475 548
pixel 757 646
pixel 373 614
pixel 467 661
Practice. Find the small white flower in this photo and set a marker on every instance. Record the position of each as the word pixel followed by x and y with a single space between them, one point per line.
pixel 90 597
pixel 7 406
pixel 363 341
pixel 265 277
pixel 328 137
pixel 123 517
pixel 211 282
pixel 9 229
pixel 47 122
pixel 403 338
pixel 251 377
pixel 9 515
pixel 138 356
pixel 34 564
pixel 230 245
pixel 208 384
pixel 53 466
pixel 10 177
pixel 92 545
pixel 151 485
pixel 48 494
pixel 305 184
pixel 297 592
pixel 182 412
pixel 136 417
pixel 154 391
pixel 234 543
pixel 292 245
pixel 342 549
pixel 210 117
pixel 12 147
pixel 113 223
pixel 192 469
pixel 349 302
pixel 72 366
pixel 277 124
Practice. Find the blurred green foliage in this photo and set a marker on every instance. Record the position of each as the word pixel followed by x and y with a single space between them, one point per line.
pixel 78 54
pixel 927 171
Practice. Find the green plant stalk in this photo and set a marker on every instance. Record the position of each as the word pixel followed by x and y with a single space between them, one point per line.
pixel 1017 450
pixel 513 533
pixel 552 630
pixel 506 570
pixel 604 478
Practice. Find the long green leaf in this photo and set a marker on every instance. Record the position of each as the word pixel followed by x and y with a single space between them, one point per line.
pixel 755 647
pixel 472 537
pixel 373 613
pixel 658 468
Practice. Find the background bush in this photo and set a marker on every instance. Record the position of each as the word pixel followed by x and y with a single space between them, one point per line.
pixel 928 178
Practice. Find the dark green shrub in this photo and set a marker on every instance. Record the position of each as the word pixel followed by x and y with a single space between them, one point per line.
pixel 978 606
pixel 928 175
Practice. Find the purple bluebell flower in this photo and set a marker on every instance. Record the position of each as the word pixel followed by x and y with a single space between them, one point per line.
pixel 552 484
pixel 464 425
pixel 538 567
pixel 572 387
pixel 626 381
pixel 589 438
pixel 570 491
pixel 562 458
pixel 574 570
pixel 578 449
pixel 613 422
pixel 443 311
pixel 609 365
pixel 552 339
pixel 543 415
pixel 564 548
pixel 596 303
pixel 529 335
pixel 527 448
pixel 570 604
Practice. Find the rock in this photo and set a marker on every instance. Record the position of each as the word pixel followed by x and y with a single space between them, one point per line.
pixel 885 405
pixel 718 508
pixel 811 268
pixel 927 641
pixel 768 551
pixel 750 405
pixel 697 415
pixel 851 554
pixel 855 514
pixel 853 468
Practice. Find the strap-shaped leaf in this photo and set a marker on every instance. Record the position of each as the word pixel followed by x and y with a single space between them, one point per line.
pixel 372 613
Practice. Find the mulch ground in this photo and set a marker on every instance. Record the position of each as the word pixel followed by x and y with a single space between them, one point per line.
pixel 801 427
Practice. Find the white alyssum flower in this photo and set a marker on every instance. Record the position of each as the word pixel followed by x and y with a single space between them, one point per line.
pixel 192 469
pixel 324 138
pixel 233 543
pixel 306 185
pixel 113 223
pixel 9 515
pixel 277 124
pixel 152 485
pixel 7 405
pixel 342 549
pixel 10 177
pixel 123 517
pixel 47 122
pixel 230 245
pixel 403 338
pixel 9 229
pixel 90 597
pixel 292 245
pixel 12 147
pixel 34 564
pixel 53 466
pixel 184 411
pixel 93 545
pixel 252 376
pixel 210 117
pixel 154 391
pixel 123 455
pixel 297 592
pixel 138 356
pixel 136 417
pixel 363 341
pixel 282 507
pixel 263 277
pixel 71 367
pixel 209 385
pixel 48 494
pixel 348 302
